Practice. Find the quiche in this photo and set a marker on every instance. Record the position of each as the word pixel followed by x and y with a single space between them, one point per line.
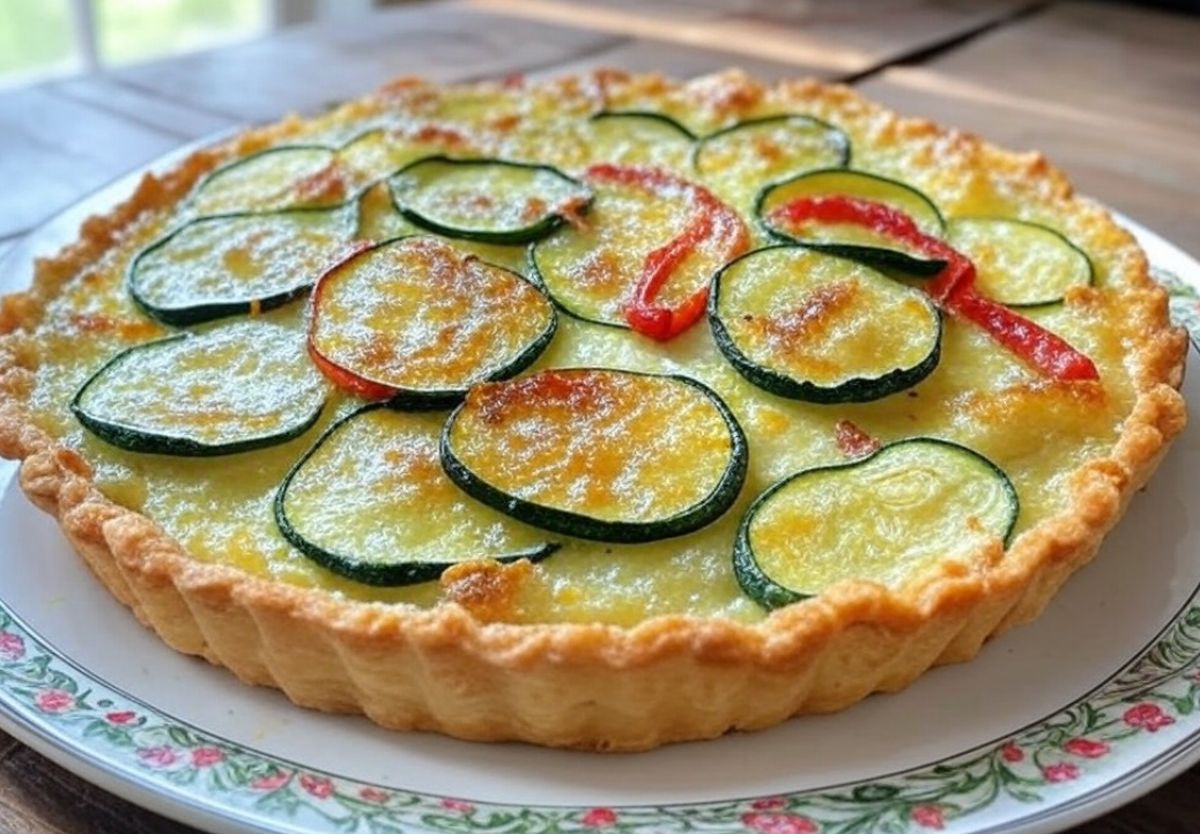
pixel 603 411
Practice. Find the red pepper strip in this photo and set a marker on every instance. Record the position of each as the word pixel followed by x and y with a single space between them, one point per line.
pixel 713 219
pixel 954 287
pixel 343 378
pixel 1047 352
pixel 884 219
pixel 879 217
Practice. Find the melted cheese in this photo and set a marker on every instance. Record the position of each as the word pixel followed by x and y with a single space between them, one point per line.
pixel 823 319
pixel 265 182
pixel 900 511
pixel 243 379
pixel 240 258
pixel 766 151
pixel 979 396
pixel 610 446
pixel 416 315
pixel 485 198
pixel 374 492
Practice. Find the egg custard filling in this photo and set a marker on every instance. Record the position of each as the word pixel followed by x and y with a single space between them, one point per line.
pixel 627 348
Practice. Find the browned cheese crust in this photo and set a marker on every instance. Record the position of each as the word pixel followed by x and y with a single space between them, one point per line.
pixel 453 670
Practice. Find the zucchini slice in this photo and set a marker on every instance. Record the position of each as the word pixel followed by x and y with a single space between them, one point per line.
pixel 879 519
pixel 638 137
pixel 490 200
pixel 811 326
pixel 1018 263
pixel 764 149
pixel 237 387
pixel 380 222
pixel 236 263
pixel 848 239
pixel 369 501
pixel 592 272
pixel 269 180
pixel 598 454
pixel 415 320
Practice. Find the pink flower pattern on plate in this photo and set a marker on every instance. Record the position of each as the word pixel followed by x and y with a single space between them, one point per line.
pixel 1149 717
pixel 769 803
pixel 162 755
pixel 1095 732
pixel 207 756
pixel 12 647
pixel 317 786
pixel 1060 772
pixel 1087 748
pixel 929 816
pixel 54 701
pixel 271 782
pixel 767 823
pixel 599 818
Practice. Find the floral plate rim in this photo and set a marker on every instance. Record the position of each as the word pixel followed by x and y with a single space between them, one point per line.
pixel 146 755
pixel 125 745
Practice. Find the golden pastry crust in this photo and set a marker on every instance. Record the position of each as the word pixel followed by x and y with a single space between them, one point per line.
pixel 452 669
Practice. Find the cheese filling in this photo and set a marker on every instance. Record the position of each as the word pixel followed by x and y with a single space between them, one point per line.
pixel 979 396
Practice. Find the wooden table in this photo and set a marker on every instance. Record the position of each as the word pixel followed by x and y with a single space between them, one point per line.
pixel 1109 93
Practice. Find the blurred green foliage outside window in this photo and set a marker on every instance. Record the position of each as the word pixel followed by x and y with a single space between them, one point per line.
pixel 40 38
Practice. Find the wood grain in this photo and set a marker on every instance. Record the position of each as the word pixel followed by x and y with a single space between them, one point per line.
pixel 1169 810
pixel 39 796
pixel 310 68
pixel 1119 149
pixel 7 742
pixel 55 150
pixel 1111 94
pixel 826 37
pixel 147 109
pixel 1134 64
pixel 683 61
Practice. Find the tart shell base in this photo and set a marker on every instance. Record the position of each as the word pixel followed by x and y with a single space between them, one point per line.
pixel 599 687
pixel 560 686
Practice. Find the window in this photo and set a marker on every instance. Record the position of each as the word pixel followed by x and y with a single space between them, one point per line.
pixel 36 40
pixel 135 30
pixel 41 38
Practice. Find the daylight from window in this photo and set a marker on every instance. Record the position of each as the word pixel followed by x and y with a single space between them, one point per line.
pixel 46 38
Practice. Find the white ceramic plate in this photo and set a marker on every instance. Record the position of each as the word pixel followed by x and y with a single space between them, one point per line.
pixel 1090 706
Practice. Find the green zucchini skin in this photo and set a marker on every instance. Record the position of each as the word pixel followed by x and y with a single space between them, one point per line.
pixel 1059 237
pixel 888 259
pixel 645 114
pixel 770 594
pixel 215 176
pixel 415 400
pixel 535 275
pixel 201 313
pixel 132 439
pixel 841 139
pixel 411 399
pixel 853 390
pixel 371 573
pixel 580 526
pixel 525 234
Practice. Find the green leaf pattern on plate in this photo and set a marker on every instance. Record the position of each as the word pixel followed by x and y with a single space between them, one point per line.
pixel 1082 744
pixel 1183 299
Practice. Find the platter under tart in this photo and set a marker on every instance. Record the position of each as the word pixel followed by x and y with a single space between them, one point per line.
pixel 636 463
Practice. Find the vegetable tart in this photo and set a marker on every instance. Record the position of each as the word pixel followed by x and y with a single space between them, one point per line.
pixel 602 412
